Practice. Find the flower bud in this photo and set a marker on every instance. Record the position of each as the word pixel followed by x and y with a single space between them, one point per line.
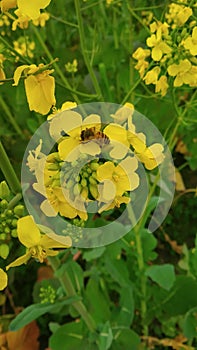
pixel 92 181
pixel 14 222
pixel 14 233
pixel 84 192
pixel 52 166
pixel 3 236
pixel 4 204
pixel 94 166
pixel 4 190
pixel 83 182
pixel 77 189
pixel 70 183
pixel 7 230
pixel 9 212
pixel 93 190
pixel 19 210
pixel 4 250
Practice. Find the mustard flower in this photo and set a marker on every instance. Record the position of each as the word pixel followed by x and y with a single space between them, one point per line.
pixel 178 14
pixel 182 72
pixel 141 55
pixel 162 85
pixel 39 87
pixel 71 123
pixel 123 113
pixel 159 46
pixel 32 9
pixel 65 105
pixel 3 279
pixel 38 245
pixel 151 77
pixel 8 4
pixel 152 156
pixel 191 42
pixel 122 176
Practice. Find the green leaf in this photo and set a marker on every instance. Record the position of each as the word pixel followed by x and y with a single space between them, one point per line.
pixel 126 313
pixel 149 242
pixel 125 338
pixel 75 272
pixel 163 275
pixel 96 301
pixel 93 253
pixel 190 324
pixel 118 271
pixel 69 337
pixel 34 311
pixel 105 337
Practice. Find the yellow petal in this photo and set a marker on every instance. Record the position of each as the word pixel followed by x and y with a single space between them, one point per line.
pixel 32 8
pixel 49 243
pixel 18 72
pixel 90 147
pixel 117 133
pixel 3 279
pixel 20 261
pixel 8 4
pixel 28 232
pixel 66 146
pixel 156 53
pixel 105 171
pixel 40 90
pixel 47 209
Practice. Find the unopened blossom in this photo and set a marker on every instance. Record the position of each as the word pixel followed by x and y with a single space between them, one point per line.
pixel 162 85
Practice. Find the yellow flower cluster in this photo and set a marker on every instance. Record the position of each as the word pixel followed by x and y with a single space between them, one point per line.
pixel 171 52
pixel 92 162
pixel 26 11
pixel 38 245
pixel 24 47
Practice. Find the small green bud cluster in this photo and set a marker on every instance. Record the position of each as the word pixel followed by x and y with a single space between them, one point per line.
pixel 47 295
pixel 8 225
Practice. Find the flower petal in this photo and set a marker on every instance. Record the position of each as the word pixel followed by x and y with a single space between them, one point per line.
pixel 18 72
pixel 3 279
pixel 20 261
pixel 28 232
pixel 105 171
pixel 66 146
pixel 32 9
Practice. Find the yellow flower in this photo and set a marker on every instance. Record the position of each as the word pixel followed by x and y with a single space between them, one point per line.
pixel 162 27
pixel 22 21
pixel 162 85
pixel 39 88
pixel 38 245
pixel 8 4
pixel 76 143
pixel 140 55
pixel 41 20
pixel 151 77
pixel 65 105
pixel 152 156
pixel 3 279
pixel 58 201
pixel 159 46
pixel 122 176
pixel 2 74
pixel 71 67
pixel 32 8
pixel 118 140
pixel 123 113
pixel 191 42
pixel 178 14
pixel 183 73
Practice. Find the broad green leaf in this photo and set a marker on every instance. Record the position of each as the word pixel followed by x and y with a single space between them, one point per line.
pixel 149 242
pixel 70 337
pixel 93 253
pixel 75 272
pixel 118 271
pixel 190 324
pixel 163 275
pixel 96 301
pixel 126 313
pixel 105 337
pixel 34 311
pixel 125 339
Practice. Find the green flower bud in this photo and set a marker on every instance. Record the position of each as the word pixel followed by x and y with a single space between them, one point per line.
pixel 53 157
pixel 8 221
pixel 92 181
pixel 14 233
pixel 55 183
pixel 7 230
pixel 3 236
pixel 4 190
pixel 77 189
pixel 184 32
pixel 4 204
pixel 9 212
pixel 4 250
pixel 94 166
pixel 93 191
pixel 84 192
pixel 83 182
pixel 19 210
pixel 85 174
pixel 70 184
pixel 2 216
pixel 94 175
pixel 89 170
pixel 14 222
pixel 53 166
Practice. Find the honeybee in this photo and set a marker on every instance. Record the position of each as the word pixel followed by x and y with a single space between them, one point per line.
pixel 91 134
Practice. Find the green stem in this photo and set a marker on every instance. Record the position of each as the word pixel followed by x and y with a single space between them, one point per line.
pixel 8 171
pixel 131 91
pixel 50 57
pixel 141 267
pixel 70 291
pixel 84 51
pixel 11 119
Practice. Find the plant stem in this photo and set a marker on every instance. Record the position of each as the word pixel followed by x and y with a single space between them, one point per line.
pixel 8 171
pixel 70 291
pixel 141 266
pixel 11 119
pixel 84 51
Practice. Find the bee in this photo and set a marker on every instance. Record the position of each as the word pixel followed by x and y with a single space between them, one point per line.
pixel 91 134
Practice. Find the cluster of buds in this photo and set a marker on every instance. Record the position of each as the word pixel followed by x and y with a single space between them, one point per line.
pixel 8 220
